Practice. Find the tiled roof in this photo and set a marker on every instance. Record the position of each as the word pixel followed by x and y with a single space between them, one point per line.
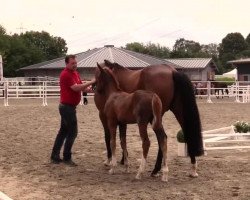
pixel 245 60
pixel 191 63
pixel 89 58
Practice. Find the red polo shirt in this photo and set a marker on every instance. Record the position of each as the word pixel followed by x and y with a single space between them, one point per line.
pixel 67 95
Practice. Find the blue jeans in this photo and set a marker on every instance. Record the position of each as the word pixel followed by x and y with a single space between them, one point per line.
pixel 67 132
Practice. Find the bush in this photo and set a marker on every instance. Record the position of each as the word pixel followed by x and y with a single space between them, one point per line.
pixel 241 127
pixel 180 137
pixel 226 80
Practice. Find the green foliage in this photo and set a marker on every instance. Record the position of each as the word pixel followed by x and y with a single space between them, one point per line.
pixel 248 41
pixel 231 48
pixel 29 48
pixel 150 49
pixel 225 79
pixel 186 49
pixel 180 136
pixel 241 127
pixel 52 47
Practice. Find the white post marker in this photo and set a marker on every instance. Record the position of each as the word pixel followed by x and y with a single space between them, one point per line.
pixel 1 68
pixel 4 196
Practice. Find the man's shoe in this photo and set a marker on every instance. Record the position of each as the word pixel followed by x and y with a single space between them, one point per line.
pixel 70 163
pixel 55 160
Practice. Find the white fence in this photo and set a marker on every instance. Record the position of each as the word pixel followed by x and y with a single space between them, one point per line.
pixel 225 138
pixel 44 90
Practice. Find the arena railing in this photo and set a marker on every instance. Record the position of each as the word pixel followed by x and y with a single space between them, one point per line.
pixel 239 91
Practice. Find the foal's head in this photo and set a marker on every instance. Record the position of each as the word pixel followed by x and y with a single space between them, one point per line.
pixel 105 79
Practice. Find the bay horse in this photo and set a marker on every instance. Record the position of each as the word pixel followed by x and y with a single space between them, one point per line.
pixel 141 107
pixel 176 93
pixel 219 86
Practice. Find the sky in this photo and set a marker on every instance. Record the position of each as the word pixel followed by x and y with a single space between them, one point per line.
pixel 87 24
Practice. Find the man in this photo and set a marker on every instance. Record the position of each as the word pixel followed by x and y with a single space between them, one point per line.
pixel 70 96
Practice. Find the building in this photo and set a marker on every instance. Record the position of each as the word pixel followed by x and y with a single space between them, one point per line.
pixel 87 62
pixel 197 69
pixel 243 68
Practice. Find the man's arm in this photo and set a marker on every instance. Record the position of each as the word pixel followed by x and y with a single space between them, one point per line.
pixel 83 86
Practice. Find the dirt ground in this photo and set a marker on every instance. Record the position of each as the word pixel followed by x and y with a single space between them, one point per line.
pixel 28 130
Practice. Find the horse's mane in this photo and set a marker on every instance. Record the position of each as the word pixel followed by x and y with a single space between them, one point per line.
pixel 113 65
pixel 113 77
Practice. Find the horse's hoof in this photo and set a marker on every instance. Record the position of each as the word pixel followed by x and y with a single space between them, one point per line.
pixel 155 174
pixel 193 175
pixel 111 171
pixel 138 176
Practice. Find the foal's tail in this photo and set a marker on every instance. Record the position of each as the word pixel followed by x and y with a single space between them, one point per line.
pixel 188 113
pixel 157 112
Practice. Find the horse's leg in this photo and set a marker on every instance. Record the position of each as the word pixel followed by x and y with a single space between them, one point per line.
pixel 145 147
pixel 158 162
pixel 162 141
pixel 194 167
pixel 123 130
pixel 217 93
pixel 107 137
pixel 112 129
pixel 179 117
pixel 124 160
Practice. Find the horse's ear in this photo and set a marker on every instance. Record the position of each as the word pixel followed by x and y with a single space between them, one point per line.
pixel 100 68
pixel 108 63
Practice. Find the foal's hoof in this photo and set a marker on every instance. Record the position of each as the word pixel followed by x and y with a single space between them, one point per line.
pixel 122 162
pixel 193 175
pixel 106 162
pixel 164 179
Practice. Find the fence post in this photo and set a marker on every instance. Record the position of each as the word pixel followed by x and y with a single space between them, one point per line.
pixel 45 93
pixel 237 92
pixel 6 101
pixel 209 92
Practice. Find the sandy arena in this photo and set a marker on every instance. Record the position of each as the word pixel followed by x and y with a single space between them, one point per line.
pixel 28 130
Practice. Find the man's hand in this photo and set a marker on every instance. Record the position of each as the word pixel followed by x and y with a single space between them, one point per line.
pixel 83 86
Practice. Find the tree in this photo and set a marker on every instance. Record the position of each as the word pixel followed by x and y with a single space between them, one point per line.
pixel 52 47
pixel 2 30
pixel 19 55
pixel 150 48
pixel 29 48
pixel 186 49
pixel 248 41
pixel 230 49
pixel 136 47
pixel 210 50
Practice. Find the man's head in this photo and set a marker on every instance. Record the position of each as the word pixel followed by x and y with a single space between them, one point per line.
pixel 70 61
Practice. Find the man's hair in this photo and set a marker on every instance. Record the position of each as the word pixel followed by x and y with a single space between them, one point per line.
pixel 68 57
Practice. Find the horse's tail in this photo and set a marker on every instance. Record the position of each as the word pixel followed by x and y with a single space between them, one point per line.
pixel 157 112
pixel 190 118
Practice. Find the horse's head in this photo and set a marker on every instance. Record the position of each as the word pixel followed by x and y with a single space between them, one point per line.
pixel 104 78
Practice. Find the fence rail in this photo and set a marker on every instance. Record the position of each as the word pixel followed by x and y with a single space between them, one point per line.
pixel 45 90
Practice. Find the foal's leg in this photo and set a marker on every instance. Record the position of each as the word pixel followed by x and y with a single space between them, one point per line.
pixel 145 147
pixel 112 129
pixel 124 160
pixel 122 131
pixel 107 138
pixel 162 141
